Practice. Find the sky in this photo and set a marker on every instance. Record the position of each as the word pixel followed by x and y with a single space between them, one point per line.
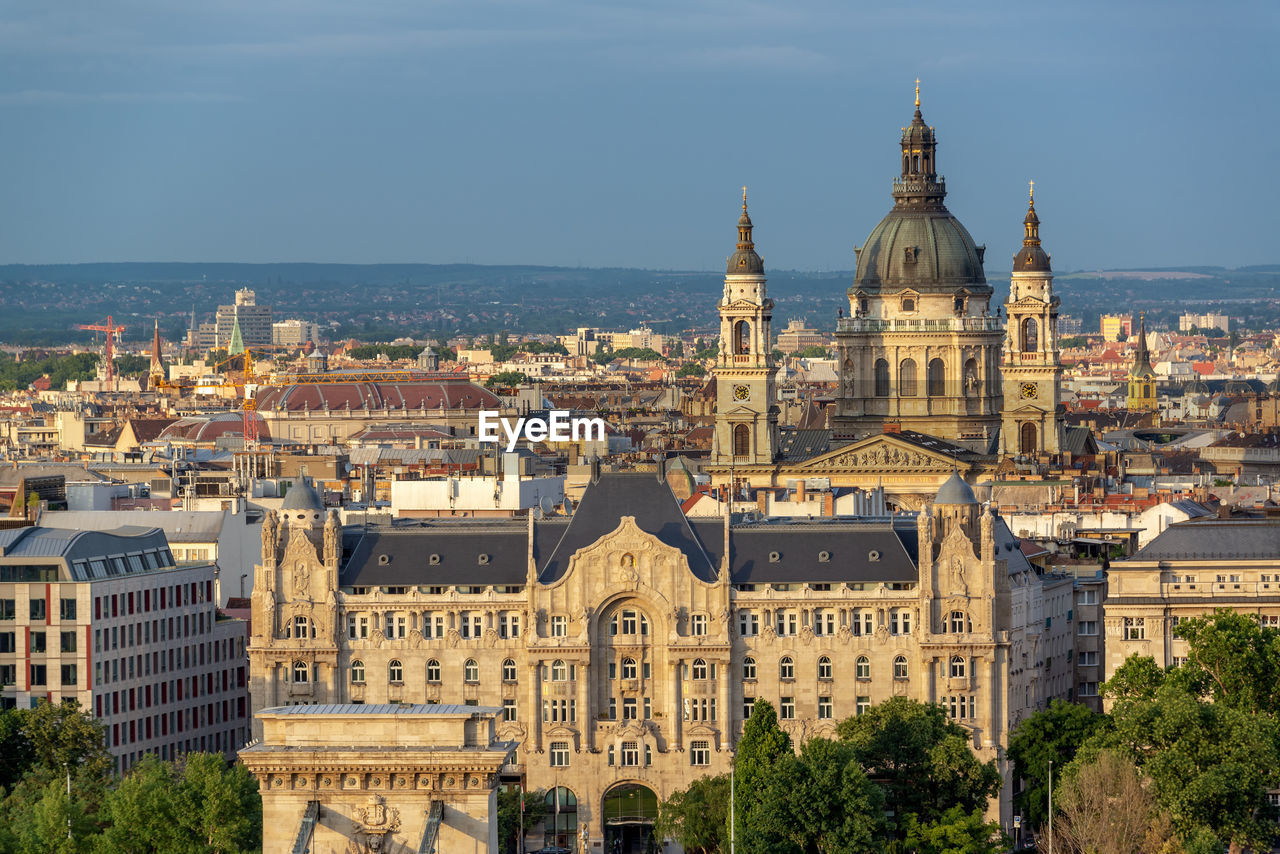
pixel 566 132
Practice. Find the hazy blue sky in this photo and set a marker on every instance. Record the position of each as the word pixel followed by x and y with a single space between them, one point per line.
pixel 612 133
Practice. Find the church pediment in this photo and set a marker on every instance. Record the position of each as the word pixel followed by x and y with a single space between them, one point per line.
pixel 882 452
pixel 1028 409
pixel 741 412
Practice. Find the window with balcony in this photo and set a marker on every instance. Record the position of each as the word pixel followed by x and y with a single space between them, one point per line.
pixel 958 667
pixel 559 626
pixel 629 621
pixel 301 672
pixel 628 668
pixel 698 624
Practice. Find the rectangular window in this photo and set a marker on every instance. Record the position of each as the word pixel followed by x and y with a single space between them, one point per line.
pixel 9 675
pixel 559 626
pixel 8 609
pixel 900 621
pixel 863 705
pixel 699 753
pixel 788 623
pixel 68 675
pixel 1088 628
pixel 38 642
pixel 68 642
pixel 648 709
pixel 748 624
pixel 38 609
pixel 629 708
pixel 862 624
pixel 7 642
pixel 613 708
pixel 748 703
pixel 824 708
pixel 787 708
pixel 1135 628
pixel 1088 689
pixel 39 675
pixel 630 754
pixel 824 622
pixel 1088 659
pixel 559 754
pixel 67 609
pixel 698 624
pixel 1090 597
pixel 509 710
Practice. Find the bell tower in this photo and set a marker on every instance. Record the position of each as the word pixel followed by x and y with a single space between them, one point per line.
pixel 1030 422
pixel 1142 377
pixel 746 412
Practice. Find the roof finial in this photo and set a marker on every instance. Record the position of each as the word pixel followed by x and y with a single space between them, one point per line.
pixel 1033 193
pixel 744 198
pixel 917 93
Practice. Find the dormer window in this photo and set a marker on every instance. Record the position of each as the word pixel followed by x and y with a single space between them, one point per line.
pixel 908 303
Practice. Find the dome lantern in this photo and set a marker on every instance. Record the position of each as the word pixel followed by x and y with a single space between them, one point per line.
pixel 745 261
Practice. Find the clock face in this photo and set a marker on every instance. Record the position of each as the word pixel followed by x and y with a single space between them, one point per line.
pixel 1030 390
pixel 741 392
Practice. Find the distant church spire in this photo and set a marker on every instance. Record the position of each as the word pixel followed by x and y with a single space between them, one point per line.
pixel 745 259
pixel 1141 357
pixel 157 365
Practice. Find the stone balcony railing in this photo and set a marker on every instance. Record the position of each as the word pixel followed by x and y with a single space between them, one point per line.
pixel 944 324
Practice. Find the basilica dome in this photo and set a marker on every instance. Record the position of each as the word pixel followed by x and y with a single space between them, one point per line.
pixel 920 244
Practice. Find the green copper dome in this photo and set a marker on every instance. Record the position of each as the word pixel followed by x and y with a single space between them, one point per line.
pixel 919 244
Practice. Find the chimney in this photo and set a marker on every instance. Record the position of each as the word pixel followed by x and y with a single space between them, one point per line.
pixel 829 503
pixel 800 493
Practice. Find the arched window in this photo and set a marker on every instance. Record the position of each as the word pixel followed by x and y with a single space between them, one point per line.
pixel 357 672
pixel 301 628
pixel 395 670
pixel 508 671
pixel 915 163
pixel 1030 335
pixel 748 668
pixel 559 671
pixel 628 668
pixel 471 671
pixel 900 667
pixel 629 622
pixel 937 378
pixel 786 668
pixel 433 671
pixel 971 384
pixel 561 823
pixel 1027 438
pixel 741 441
pixel 824 668
pixel 907 378
pixel 301 672
pixel 957 667
pixel 862 667
pixel 959 623
pixel 699 669
pixel 882 378
pixel 742 337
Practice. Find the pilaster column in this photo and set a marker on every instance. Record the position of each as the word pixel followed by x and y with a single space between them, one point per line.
pixel 535 703
pixel 585 718
pixel 724 718
pixel 677 715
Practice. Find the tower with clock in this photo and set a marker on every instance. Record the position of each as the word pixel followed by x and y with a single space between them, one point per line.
pixel 746 408
pixel 1031 421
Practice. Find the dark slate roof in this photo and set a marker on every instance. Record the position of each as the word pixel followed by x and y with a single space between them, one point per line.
pixel 936 445
pixel 302 496
pixel 796 445
pixel 1244 539
pixel 480 552
pixel 1078 440
pixel 614 495
pixel 955 491
pixel 849 544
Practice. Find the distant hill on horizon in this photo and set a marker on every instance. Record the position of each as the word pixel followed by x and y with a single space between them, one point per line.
pixel 42 303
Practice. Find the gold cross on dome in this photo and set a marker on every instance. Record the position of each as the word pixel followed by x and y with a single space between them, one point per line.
pixel 744 197
pixel 1033 192
pixel 917 91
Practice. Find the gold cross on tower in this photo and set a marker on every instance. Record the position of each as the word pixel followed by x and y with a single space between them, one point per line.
pixel 744 197
pixel 917 91
pixel 1033 192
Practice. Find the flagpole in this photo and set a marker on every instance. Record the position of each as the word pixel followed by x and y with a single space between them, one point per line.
pixel 733 817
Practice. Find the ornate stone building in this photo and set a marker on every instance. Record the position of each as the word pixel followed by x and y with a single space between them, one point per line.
pixel 920 349
pixel 1031 420
pixel 625 644
pixel 389 779
pixel 746 398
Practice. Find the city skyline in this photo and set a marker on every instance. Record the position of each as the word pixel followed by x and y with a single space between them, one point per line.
pixel 577 134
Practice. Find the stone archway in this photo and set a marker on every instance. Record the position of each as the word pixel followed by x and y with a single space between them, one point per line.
pixel 629 812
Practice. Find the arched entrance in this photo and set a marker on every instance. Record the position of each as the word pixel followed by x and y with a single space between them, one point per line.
pixel 629 813
pixel 561 823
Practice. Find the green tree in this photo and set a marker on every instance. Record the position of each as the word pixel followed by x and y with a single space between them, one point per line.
pixel 691 369
pixel 709 352
pixel 813 351
pixel 921 760
pixel 1106 804
pixel 1211 764
pixel 697 817
pixel 509 799
pixel 677 349
pixel 51 823
pixel 1053 734
pixel 62 736
pixel 1236 659
pixel 507 379
pixel 142 812
pixel 17 753
pixel 956 832
pixel 762 746
pixel 835 807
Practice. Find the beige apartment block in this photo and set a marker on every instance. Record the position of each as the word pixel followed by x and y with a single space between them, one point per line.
pixel 626 644
pixel 1190 570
